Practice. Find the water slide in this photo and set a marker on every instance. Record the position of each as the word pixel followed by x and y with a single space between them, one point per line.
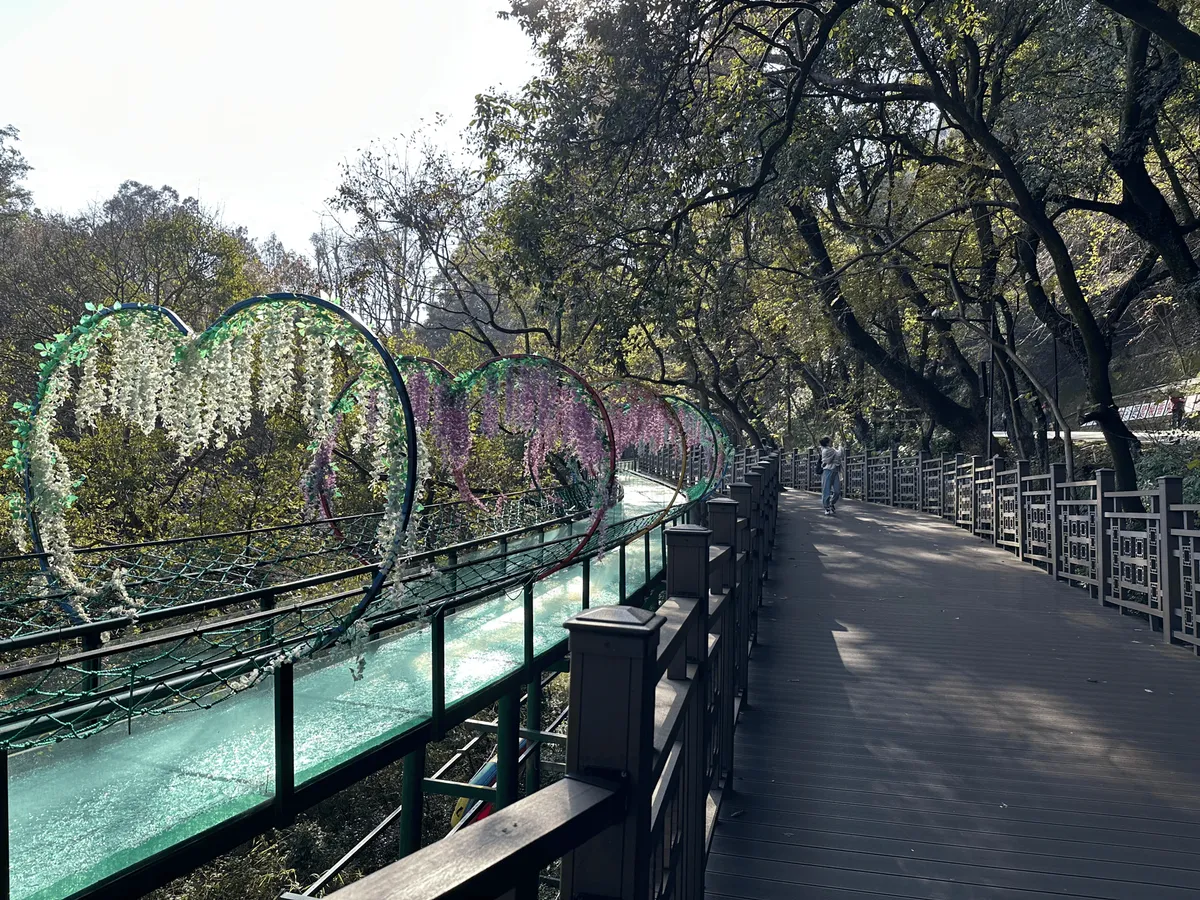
pixel 140 703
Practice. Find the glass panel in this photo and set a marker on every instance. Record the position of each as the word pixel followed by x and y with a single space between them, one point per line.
pixel 556 599
pixel 84 809
pixel 343 709
pixel 656 550
pixel 484 643
pixel 635 565
pixel 606 579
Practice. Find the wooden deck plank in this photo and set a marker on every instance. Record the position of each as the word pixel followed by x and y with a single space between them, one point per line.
pixel 931 718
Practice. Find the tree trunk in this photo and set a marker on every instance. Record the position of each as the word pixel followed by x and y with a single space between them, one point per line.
pixel 913 386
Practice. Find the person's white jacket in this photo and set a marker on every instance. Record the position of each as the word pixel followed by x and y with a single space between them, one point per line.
pixel 831 458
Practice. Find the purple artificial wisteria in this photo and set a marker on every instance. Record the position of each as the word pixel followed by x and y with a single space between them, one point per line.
pixel 417 385
pixel 320 479
pixel 452 436
pixel 489 410
pixel 530 398
pixel 642 421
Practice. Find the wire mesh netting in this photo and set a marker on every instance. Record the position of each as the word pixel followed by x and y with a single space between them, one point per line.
pixel 196 639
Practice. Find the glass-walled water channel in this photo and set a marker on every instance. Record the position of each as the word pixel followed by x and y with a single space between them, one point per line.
pixel 84 809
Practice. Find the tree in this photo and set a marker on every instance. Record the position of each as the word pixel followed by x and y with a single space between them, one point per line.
pixel 14 198
pixel 897 144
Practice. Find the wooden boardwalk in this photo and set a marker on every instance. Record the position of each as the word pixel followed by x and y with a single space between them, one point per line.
pixel 930 718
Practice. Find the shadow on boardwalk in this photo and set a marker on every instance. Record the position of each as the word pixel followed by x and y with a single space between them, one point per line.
pixel 930 718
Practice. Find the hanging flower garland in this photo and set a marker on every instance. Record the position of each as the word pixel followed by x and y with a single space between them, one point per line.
pixel 144 340
pixel 201 390
pixel 291 328
pixel 644 421
pixel 550 408
pixel 559 414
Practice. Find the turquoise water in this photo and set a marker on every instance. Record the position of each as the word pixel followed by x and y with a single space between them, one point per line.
pixel 84 809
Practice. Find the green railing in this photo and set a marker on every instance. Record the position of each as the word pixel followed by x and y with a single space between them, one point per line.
pixel 155 793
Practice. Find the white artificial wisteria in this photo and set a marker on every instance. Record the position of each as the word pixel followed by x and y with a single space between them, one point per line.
pixel 317 350
pixel 51 488
pixel 277 361
pixel 240 400
pixel 91 394
pixel 138 366
pixel 125 381
pixel 387 535
pixel 183 416
pixel 218 376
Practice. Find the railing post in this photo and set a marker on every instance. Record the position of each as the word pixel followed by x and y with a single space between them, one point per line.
pixel 6 836
pixel 437 673
pixel 998 462
pixel 722 519
pixel 741 494
pixel 976 462
pixel 622 590
pixel 755 479
pixel 722 515
pixel 1022 474
pixel 1170 493
pixel 947 508
pixel 285 742
pixel 533 721
pixel 769 485
pixel 646 556
pixel 1058 474
pixel 893 467
pixel 508 724
pixel 919 481
pixel 688 577
pixel 610 735
pixel 959 459
pixel 587 582
pixel 412 801
pixel 1106 480
pixel 528 630
pixel 774 509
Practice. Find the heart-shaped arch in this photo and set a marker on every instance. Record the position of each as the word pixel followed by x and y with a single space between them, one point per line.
pixel 644 418
pixel 706 431
pixel 188 411
pixel 555 413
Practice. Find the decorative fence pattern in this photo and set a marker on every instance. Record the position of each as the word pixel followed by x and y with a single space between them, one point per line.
pixel 1186 532
pixel 906 482
pixel 1136 550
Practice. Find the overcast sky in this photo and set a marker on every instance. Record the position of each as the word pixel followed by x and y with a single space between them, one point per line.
pixel 249 105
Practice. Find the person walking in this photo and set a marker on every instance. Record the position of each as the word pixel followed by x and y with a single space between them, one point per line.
pixel 1177 407
pixel 831 476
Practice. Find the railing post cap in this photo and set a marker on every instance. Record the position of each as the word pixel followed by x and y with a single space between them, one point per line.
pixel 625 621
pixel 687 534
pixel 723 501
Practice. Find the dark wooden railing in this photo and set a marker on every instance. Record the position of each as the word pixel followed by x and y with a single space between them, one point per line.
pixel 1135 550
pixel 654 699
